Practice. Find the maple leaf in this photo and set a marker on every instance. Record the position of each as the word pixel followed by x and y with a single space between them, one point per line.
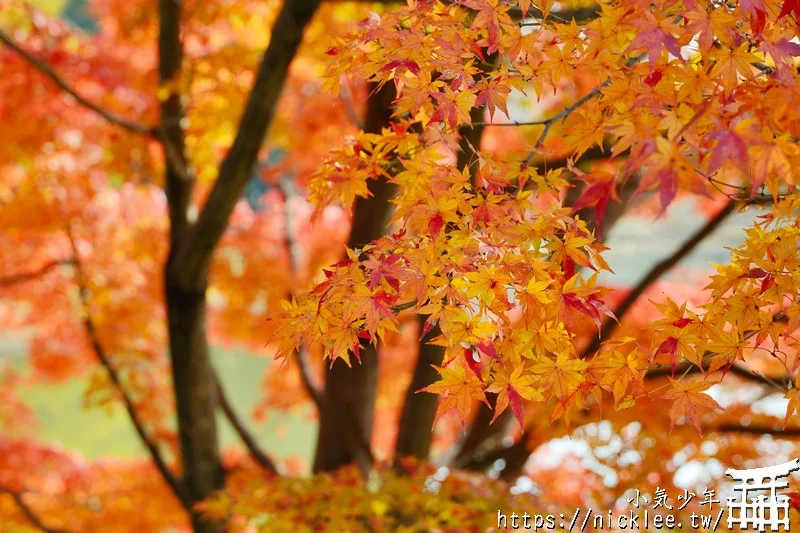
pixel 591 306
pixel 716 24
pixel 732 62
pixel 664 158
pixel 618 370
pixel 599 190
pixel 689 400
pixel 669 347
pixel 489 16
pixel 727 349
pixel 793 395
pixel 496 93
pixel 769 165
pixel 511 388
pixel 789 7
pixel 587 132
pixel 402 65
pixel 656 35
pixel 456 391
pixel 454 107
pixel 563 375
pixel 376 308
pixel 730 145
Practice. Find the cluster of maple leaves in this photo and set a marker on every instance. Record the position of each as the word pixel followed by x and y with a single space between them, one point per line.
pixel 696 96
pixel 411 497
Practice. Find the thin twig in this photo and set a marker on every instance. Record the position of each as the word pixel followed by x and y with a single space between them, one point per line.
pixel 655 273
pixel 45 69
pixel 287 190
pixel 511 123
pixel 27 276
pixel 313 390
pixel 258 455
pixel 567 111
pixel 91 330
pixel 346 96
pixel 29 513
pixel 690 368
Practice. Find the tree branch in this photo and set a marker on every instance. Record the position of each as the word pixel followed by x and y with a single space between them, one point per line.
pixel 313 390
pixel 179 179
pixel 27 276
pixel 258 455
pixel 45 69
pixel 482 433
pixel 567 111
pixel 348 397
pixel 655 273
pixel 190 269
pixel 737 370
pixel 415 433
pixel 287 189
pixel 138 424
pixel 29 514
pixel 776 431
pixel 516 455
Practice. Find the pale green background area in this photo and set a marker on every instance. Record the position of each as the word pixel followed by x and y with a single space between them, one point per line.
pixel 95 432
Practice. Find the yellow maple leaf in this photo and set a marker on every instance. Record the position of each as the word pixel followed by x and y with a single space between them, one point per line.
pixel 456 391
pixel 563 375
pixel 689 400
pixel 511 387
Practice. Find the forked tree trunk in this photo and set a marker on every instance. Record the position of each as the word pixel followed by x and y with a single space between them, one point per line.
pixel 192 245
pixel 192 375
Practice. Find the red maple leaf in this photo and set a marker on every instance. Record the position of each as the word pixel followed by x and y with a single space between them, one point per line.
pixel 654 36
pixel 790 6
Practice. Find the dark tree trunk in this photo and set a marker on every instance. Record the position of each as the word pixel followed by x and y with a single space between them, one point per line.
pixel 192 245
pixel 415 432
pixel 348 402
pixel 482 432
pixel 192 374
pixel 195 398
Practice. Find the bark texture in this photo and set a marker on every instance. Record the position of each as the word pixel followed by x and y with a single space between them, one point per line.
pixel 192 245
pixel 348 400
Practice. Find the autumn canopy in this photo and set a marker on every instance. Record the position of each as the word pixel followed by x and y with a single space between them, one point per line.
pixel 410 211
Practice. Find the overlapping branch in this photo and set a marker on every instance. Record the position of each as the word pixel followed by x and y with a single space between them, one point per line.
pixel 287 190
pixel 48 71
pixel 179 174
pixel 152 447
pixel 28 512
pixel 656 273
pixel 775 431
pixel 193 256
pixel 258 455
pixel 13 279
